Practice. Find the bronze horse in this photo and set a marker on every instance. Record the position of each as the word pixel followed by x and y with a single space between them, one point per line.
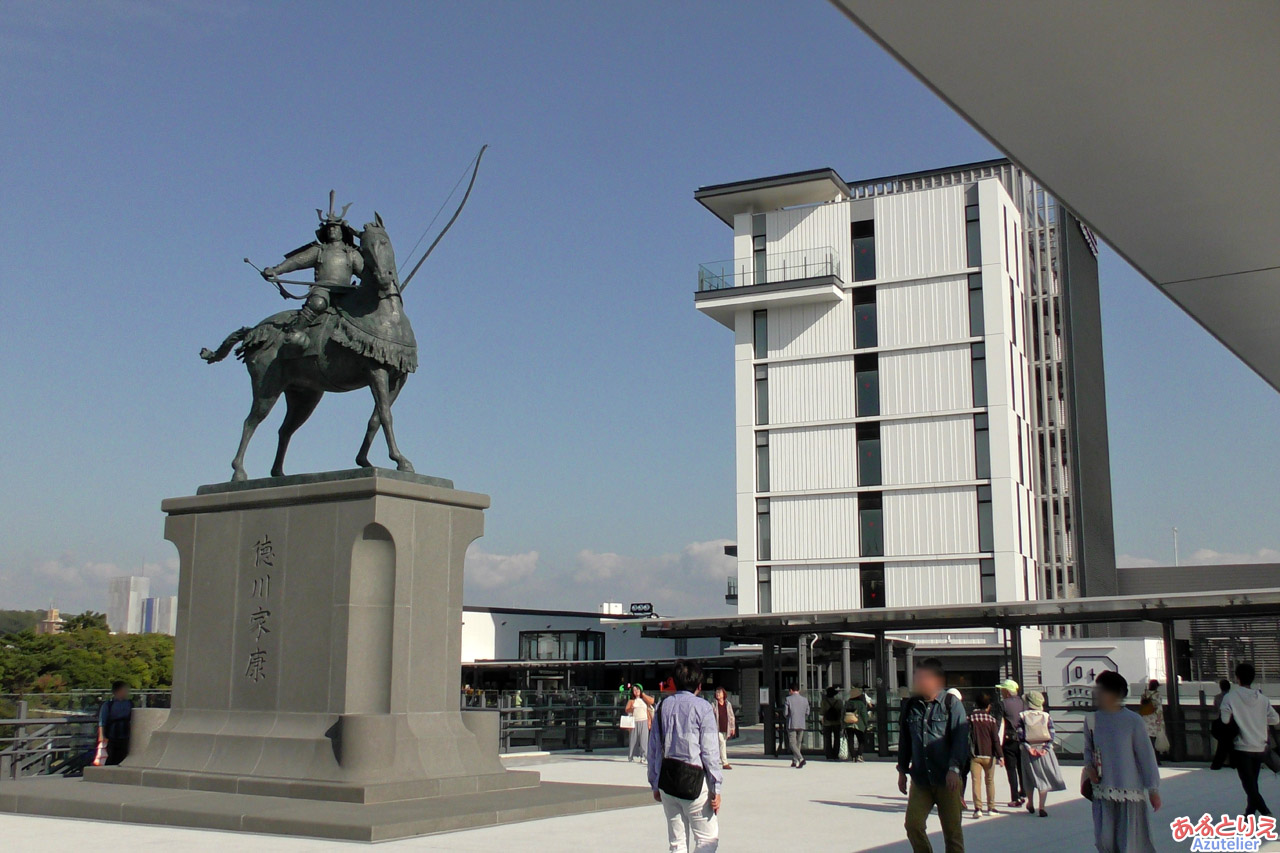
pixel 363 341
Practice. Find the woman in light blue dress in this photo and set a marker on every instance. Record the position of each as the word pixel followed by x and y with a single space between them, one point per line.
pixel 1121 764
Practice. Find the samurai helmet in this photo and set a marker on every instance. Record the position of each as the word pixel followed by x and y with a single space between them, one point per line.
pixel 339 219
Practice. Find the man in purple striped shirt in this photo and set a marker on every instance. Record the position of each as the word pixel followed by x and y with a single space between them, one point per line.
pixel 685 730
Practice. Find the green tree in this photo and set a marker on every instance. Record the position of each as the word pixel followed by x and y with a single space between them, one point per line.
pixel 88 619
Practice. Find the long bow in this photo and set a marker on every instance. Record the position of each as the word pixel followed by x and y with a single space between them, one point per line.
pixel 449 224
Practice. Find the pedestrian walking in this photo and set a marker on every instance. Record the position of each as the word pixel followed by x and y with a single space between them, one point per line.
pixel 1011 708
pixel 1251 711
pixel 831 715
pixel 684 764
pixel 1040 771
pixel 797 714
pixel 933 747
pixel 640 707
pixel 1152 710
pixel 1121 771
pixel 114 718
pixel 726 724
pixel 986 745
pixel 857 713
pixel 1223 734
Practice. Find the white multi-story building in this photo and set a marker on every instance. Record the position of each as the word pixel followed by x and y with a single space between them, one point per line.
pixel 908 426
pixel 126 599
pixel 160 615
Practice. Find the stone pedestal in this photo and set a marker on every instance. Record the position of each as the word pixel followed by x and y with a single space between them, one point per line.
pixel 317 674
pixel 319 643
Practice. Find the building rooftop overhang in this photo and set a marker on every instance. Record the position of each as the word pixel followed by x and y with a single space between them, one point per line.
pixel 1153 122
pixel 773 193
pixel 1008 614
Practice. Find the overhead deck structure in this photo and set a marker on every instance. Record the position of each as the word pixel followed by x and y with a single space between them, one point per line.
pixel 1164 610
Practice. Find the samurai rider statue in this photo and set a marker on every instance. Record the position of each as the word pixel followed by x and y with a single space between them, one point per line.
pixel 335 259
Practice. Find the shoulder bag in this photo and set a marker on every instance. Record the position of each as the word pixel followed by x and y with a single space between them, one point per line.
pixel 678 778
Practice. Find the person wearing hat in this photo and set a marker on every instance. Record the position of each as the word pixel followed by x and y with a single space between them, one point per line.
pixel 335 259
pixel 1011 708
pixel 857 713
pixel 1040 771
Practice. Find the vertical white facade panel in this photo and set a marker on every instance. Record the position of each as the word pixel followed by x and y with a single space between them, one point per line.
pixel 930 522
pixel 811 391
pixel 927 451
pixel 807 233
pixel 928 380
pixel 815 458
pixel 814 527
pixel 920 234
pixel 914 313
pixel 817 328
pixel 933 582
pixel 809 588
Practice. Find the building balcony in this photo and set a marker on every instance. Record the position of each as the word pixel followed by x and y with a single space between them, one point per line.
pixel 779 278
pixel 731 593
pixel 771 268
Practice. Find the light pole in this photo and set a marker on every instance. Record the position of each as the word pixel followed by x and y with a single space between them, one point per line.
pixel 1175 546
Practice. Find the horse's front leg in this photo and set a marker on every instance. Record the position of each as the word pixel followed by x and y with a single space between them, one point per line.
pixel 383 396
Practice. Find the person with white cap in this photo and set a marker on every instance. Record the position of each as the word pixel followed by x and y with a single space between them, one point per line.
pixel 1011 707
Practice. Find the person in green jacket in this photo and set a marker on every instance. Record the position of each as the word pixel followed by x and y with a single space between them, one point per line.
pixel 857 714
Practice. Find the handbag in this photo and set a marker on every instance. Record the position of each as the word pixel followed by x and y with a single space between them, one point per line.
pixel 850 718
pixel 627 722
pixel 677 778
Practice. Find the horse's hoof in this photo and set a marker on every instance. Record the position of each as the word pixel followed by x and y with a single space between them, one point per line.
pixel 363 462
pixel 277 472
pixel 404 465
pixel 239 476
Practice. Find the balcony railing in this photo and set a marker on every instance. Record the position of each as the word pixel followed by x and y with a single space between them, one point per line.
pixel 771 268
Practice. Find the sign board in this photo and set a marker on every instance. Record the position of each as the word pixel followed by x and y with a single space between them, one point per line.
pixel 764 695
pixel 642 609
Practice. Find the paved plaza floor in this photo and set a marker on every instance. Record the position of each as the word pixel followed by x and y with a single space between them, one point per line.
pixel 767 807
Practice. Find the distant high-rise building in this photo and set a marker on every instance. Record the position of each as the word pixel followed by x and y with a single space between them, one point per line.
pixel 125 597
pixel 160 615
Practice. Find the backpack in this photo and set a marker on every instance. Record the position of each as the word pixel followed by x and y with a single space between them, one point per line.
pixel 834 713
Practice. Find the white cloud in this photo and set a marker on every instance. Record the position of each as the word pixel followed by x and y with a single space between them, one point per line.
pixel 491 571
pixel 685 583
pixel 1208 556
pixel 73 585
pixel 1129 561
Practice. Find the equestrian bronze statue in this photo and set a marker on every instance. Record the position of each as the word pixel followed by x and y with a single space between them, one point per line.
pixel 360 338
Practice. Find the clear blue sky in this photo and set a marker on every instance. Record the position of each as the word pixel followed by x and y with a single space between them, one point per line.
pixel 148 147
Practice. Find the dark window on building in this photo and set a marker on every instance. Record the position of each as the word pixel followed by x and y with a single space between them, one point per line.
pixel 864 250
pixel 972 235
pixel 1022 471
pixel 1013 312
pixel 561 645
pixel 871 524
pixel 871 578
pixel 981 447
pixel 764 546
pixel 979 353
pixel 977 328
pixel 764 591
pixel 762 461
pixel 865 333
pixel 759 258
pixel 868 454
pixel 866 374
pixel 760 333
pixel 762 394
pixel 987 575
pixel 986 534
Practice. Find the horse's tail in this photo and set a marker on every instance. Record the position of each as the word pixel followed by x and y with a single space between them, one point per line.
pixel 213 357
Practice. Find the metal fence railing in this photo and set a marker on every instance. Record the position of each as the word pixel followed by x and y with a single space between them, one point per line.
pixel 769 268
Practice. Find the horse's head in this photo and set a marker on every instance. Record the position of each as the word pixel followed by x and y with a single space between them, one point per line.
pixel 379 258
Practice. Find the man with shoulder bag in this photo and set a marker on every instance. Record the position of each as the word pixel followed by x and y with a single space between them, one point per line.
pixel 684 763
